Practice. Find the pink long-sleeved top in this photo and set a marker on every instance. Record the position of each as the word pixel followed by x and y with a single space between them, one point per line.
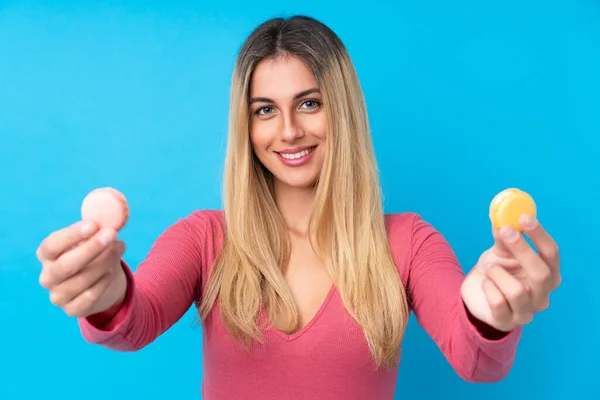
pixel 329 357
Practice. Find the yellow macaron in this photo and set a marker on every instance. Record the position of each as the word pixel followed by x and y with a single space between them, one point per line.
pixel 508 206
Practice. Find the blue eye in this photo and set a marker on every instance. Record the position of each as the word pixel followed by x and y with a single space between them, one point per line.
pixel 311 104
pixel 307 105
pixel 263 110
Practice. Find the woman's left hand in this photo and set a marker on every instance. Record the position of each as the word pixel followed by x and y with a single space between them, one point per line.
pixel 511 281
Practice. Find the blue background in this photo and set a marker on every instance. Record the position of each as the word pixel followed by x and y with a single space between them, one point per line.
pixel 465 98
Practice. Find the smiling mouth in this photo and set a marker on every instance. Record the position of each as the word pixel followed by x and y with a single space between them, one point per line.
pixel 297 155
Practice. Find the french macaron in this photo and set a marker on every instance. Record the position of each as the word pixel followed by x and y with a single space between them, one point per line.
pixel 508 206
pixel 107 207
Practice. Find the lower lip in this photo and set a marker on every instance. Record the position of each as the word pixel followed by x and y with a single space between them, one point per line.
pixel 297 162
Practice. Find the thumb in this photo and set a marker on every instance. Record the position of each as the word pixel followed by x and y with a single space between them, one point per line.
pixel 121 247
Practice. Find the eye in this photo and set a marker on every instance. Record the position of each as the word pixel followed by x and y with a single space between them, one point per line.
pixel 311 104
pixel 266 110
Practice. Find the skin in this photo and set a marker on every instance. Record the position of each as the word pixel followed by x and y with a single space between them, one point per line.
pixel 81 270
pixel 511 281
pixel 509 285
pixel 292 117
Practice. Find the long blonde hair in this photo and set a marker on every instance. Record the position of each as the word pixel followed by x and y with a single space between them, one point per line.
pixel 347 227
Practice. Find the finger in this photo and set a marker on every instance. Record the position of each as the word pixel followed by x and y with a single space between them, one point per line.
pixel 489 258
pixel 499 248
pixel 89 250
pixel 515 294
pixel 545 244
pixel 539 274
pixel 83 304
pixel 67 291
pixel 498 304
pixel 121 247
pixel 62 240
pixel 71 262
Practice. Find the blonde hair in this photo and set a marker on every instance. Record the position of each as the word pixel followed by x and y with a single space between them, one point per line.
pixel 347 227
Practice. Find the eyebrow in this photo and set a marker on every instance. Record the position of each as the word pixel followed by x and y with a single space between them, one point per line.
pixel 299 95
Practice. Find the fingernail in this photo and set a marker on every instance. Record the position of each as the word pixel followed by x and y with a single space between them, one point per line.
pixel 106 236
pixel 528 222
pixel 509 234
pixel 87 228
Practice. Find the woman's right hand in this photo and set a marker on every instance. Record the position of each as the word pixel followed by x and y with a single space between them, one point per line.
pixel 81 268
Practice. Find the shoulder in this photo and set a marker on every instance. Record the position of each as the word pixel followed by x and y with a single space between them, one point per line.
pixel 408 230
pixel 199 234
pixel 399 228
pixel 402 228
pixel 207 227
pixel 410 236
pixel 400 223
pixel 204 222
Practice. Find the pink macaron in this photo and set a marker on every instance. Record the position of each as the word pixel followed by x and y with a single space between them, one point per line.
pixel 107 207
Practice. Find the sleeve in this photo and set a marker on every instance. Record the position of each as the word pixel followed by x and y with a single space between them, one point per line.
pixel 434 284
pixel 159 293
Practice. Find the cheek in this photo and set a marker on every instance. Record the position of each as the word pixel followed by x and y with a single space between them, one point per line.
pixel 256 138
pixel 261 142
pixel 254 142
pixel 263 134
pixel 318 126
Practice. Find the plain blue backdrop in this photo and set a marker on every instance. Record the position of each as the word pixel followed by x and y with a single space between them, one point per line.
pixel 465 98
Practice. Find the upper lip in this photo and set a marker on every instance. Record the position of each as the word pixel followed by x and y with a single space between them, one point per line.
pixel 295 150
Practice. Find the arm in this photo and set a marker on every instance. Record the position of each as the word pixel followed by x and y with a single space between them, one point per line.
pixel 477 352
pixel 158 294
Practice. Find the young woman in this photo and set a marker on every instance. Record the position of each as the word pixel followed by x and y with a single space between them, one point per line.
pixel 302 283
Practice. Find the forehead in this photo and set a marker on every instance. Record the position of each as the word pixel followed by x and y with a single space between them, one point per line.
pixel 281 78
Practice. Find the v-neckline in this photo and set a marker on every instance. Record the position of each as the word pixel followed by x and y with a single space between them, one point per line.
pixel 306 327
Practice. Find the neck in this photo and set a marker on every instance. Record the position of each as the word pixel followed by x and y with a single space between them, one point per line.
pixel 295 206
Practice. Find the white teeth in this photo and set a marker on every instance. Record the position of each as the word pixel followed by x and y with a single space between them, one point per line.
pixel 296 155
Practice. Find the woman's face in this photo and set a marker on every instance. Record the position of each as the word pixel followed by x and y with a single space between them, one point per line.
pixel 288 124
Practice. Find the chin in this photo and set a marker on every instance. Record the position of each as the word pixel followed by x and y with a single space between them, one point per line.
pixel 299 183
pixel 307 181
pixel 300 177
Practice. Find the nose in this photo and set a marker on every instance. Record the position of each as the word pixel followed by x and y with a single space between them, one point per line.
pixel 292 129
